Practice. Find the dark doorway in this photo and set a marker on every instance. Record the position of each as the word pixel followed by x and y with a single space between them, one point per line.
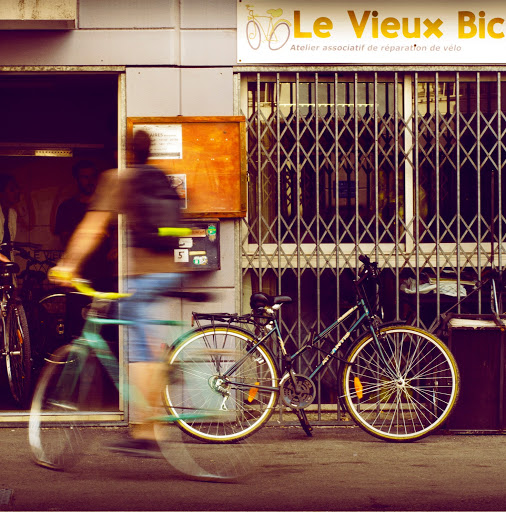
pixel 48 124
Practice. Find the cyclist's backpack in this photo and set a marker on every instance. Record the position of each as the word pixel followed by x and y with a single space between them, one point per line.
pixel 153 206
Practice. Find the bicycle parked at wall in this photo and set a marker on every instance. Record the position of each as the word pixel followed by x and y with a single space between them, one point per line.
pixel 399 382
pixel 45 307
pixel 80 386
pixel 15 334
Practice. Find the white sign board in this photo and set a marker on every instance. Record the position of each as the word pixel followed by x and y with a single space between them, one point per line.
pixel 166 140
pixel 366 32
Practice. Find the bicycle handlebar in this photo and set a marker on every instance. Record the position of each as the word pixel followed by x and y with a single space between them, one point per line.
pixel 83 286
pixel 370 268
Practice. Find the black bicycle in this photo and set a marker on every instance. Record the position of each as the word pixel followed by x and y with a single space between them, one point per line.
pixel 399 382
pixel 15 334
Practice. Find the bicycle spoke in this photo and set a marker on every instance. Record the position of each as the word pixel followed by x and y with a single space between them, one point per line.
pixel 413 395
pixel 220 378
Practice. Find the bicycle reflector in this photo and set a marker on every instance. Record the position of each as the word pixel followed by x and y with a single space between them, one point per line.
pixel 253 392
pixel 358 387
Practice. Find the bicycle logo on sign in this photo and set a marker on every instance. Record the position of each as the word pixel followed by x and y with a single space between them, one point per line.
pixel 276 33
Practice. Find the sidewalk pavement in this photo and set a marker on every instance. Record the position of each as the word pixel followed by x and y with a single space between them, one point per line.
pixel 339 468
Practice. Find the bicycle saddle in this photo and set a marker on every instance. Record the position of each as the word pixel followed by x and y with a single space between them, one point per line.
pixel 9 268
pixel 261 300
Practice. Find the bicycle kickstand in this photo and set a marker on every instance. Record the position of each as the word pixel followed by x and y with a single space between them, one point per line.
pixel 304 423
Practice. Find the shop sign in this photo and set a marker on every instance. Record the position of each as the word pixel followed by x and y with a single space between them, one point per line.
pixel 366 32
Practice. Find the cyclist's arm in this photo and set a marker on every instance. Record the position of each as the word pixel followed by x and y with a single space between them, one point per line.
pixel 84 241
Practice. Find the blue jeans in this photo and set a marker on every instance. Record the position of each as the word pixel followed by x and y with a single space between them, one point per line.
pixel 144 344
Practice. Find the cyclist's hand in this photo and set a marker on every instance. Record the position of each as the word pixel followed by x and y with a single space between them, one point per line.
pixel 62 275
pixel 4 258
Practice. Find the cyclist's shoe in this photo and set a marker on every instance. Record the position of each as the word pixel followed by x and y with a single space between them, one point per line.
pixel 137 448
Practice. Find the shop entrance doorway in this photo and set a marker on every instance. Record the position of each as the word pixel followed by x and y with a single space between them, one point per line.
pixel 58 132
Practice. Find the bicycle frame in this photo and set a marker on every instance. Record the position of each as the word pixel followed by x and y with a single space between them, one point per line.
pixel 91 340
pixel 365 317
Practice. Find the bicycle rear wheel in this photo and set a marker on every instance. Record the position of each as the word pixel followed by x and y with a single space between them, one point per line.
pixel 64 398
pixel 412 395
pixel 18 358
pixel 220 388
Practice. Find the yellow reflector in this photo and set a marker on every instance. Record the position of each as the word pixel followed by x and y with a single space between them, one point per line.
pixel 358 387
pixel 253 392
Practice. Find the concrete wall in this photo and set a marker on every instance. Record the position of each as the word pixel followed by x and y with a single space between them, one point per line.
pixel 177 58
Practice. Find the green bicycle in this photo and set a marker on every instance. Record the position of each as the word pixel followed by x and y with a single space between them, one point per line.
pixel 80 386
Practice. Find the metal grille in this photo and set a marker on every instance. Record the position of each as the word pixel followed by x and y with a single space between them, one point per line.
pixel 404 167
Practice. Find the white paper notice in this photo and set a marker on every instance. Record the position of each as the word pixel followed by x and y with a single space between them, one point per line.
pixel 166 140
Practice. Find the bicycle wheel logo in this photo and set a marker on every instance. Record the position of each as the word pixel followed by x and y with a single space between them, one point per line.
pixel 267 28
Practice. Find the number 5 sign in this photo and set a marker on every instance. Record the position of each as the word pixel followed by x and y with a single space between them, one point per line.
pixel 181 256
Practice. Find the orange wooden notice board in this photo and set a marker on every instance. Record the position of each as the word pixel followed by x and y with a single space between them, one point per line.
pixel 206 157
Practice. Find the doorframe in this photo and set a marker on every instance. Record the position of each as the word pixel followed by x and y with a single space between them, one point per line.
pixel 20 418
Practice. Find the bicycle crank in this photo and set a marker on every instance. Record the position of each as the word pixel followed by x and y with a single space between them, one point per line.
pixel 297 392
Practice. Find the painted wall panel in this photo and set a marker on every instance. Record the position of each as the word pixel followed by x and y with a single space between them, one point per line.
pixel 152 92
pixel 207 92
pixel 208 14
pixel 88 48
pixel 127 14
pixel 208 48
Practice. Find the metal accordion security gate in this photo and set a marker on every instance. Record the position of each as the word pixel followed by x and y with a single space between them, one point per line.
pixel 405 166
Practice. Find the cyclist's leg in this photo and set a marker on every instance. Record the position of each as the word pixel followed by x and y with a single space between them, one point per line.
pixel 146 369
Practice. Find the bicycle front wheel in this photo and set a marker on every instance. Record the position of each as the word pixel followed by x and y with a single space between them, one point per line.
pixel 18 358
pixel 409 392
pixel 201 460
pixel 64 397
pixel 221 388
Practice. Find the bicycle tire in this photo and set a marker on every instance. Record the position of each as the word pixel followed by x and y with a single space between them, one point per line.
pixel 216 408
pixel 18 355
pixel 201 460
pixel 275 43
pixel 412 396
pixel 63 397
pixel 253 34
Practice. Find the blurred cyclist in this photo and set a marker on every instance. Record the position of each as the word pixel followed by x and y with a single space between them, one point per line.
pixel 150 272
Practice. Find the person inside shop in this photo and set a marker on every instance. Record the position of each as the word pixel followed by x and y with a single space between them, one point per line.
pixel 151 272
pixel 9 198
pixel 71 211
pixel 101 268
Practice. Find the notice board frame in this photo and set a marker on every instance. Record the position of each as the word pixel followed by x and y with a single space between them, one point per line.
pixel 212 172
